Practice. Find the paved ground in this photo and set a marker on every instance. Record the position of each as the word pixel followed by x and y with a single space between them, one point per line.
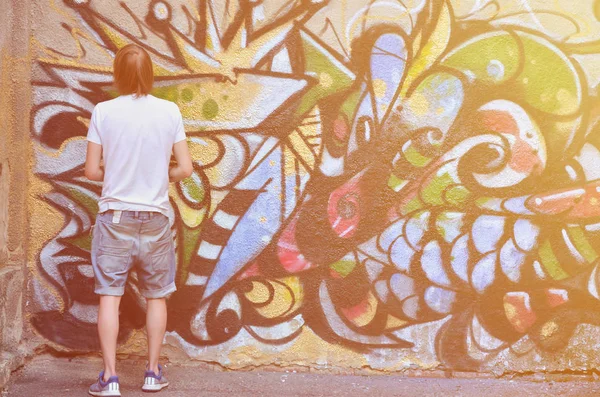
pixel 47 376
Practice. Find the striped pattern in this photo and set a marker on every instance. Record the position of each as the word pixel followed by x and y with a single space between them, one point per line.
pixel 109 390
pixel 149 380
pixel 217 232
pixel 153 384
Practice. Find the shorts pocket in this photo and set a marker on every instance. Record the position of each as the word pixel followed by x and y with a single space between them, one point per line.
pixel 162 254
pixel 113 255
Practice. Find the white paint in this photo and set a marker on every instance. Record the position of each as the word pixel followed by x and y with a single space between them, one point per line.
pixel 331 166
pixel 225 220
pixel 161 11
pixel 194 279
pixel 208 250
pixel 281 62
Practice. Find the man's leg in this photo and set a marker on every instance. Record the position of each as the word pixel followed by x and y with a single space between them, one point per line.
pixel 156 324
pixel 108 330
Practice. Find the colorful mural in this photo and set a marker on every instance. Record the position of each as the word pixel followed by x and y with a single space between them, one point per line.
pixel 362 168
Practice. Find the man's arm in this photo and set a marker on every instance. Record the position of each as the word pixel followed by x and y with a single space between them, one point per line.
pixel 184 167
pixel 93 167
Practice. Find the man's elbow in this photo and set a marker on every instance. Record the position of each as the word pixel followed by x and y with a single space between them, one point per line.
pixel 187 170
pixel 90 174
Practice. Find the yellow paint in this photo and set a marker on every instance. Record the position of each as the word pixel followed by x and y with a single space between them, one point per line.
pixel 300 147
pixel 325 79
pixel 258 294
pixel 553 94
pixel 394 322
pixel 287 296
pixel 431 50
pixel 379 88
pixel 205 151
pixel 191 217
pixel 549 329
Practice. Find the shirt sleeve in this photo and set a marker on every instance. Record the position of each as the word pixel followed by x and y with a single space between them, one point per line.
pixel 94 130
pixel 179 130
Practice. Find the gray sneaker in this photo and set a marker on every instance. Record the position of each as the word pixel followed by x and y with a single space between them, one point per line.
pixel 153 382
pixel 110 388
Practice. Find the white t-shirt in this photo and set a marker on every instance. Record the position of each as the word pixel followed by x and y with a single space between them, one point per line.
pixel 137 135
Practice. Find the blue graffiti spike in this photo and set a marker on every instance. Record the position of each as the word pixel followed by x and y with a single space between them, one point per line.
pixel 388 62
pixel 257 226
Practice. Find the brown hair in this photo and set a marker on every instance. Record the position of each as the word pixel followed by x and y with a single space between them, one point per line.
pixel 132 71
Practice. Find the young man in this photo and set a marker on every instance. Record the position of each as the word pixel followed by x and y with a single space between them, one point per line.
pixel 135 134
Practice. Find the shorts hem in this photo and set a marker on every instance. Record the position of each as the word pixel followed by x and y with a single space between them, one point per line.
pixel 110 291
pixel 159 293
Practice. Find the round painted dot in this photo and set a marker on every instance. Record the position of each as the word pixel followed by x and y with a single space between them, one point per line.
pixel 495 69
pixel 187 95
pixel 210 109
pixel 161 11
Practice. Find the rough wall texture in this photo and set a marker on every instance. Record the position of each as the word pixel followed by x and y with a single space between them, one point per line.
pixel 15 95
pixel 378 184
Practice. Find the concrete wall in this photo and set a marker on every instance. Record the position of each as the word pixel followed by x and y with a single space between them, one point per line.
pixel 387 185
pixel 15 96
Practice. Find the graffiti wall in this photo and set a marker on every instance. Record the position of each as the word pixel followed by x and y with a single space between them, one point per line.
pixel 378 183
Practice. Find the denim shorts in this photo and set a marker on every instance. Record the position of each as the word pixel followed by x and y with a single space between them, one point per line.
pixel 125 240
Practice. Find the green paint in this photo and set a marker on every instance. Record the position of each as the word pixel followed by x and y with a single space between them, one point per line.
pixel 332 75
pixel 412 205
pixel 87 202
pixel 559 95
pixel 457 195
pixel 582 244
pixel 170 93
pixel 492 59
pixel 395 183
pixel 187 95
pixel 483 201
pixel 343 267
pixel 433 192
pixel 351 104
pixel 550 262
pixel 190 238
pixel 210 109
pixel 415 158
pixel 194 190
pixel 112 92
pixel 83 241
